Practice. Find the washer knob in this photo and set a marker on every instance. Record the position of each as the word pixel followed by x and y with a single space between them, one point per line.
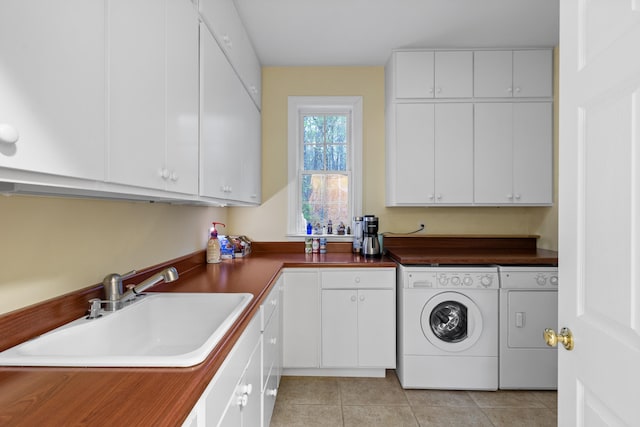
pixel 455 281
pixel 486 281
pixel 467 281
pixel 443 280
pixel 554 280
pixel 541 280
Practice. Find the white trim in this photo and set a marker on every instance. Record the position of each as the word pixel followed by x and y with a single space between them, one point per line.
pixel 353 104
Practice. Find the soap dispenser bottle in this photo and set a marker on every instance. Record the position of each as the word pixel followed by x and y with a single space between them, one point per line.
pixel 213 245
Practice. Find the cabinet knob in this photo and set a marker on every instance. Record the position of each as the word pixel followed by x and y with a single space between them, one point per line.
pixel 517 90
pixel 174 176
pixel 245 389
pixel 243 400
pixel 164 173
pixel 430 197
pixel 510 196
pixel 361 297
pixel 439 197
pixel 8 134
pixel 509 89
pixel 357 279
pixel 353 298
pixel 227 40
pixel 430 90
pixel 439 90
pixel 273 340
pixel 272 392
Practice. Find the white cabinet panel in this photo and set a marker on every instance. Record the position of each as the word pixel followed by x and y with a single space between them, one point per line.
pixel 301 319
pixel 514 159
pixel 414 74
pixel 425 74
pixel 223 20
pixel 453 158
pixel 230 130
pixel 376 328
pixel 518 74
pixel 339 328
pixel 433 152
pixel 412 180
pixel 52 79
pixel 153 97
pixel 454 74
pixel 533 73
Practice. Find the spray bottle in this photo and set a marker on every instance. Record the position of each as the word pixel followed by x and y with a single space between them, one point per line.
pixel 213 245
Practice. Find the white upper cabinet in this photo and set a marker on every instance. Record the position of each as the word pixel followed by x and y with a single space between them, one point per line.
pixel 518 74
pixel 513 153
pixel 432 158
pixel 224 22
pixel 230 143
pixel 426 74
pixel 52 79
pixel 153 94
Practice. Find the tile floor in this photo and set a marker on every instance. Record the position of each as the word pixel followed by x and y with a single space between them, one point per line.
pixel 381 402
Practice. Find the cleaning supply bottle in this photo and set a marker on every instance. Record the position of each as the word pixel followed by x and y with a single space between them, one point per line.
pixel 213 245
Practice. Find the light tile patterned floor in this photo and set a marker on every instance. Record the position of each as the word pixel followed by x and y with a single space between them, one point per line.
pixel 381 402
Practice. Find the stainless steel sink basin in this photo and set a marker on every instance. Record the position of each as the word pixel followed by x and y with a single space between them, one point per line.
pixel 159 329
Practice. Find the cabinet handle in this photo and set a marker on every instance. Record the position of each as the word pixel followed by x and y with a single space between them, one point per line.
pixel 244 389
pixel 272 392
pixel 273 340
pixel 274 302
pixel 8 134
pixel 243 400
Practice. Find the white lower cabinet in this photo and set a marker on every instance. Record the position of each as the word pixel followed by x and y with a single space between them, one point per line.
pixel 339 321
pixel 243 391
pixel 358 319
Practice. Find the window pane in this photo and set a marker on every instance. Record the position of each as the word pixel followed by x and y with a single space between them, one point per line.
pixel 336 129
pixel 313 157
pixel 337 157
pixel 325 197
pixel 313 129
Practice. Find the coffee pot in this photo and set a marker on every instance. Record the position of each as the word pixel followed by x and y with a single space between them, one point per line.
pixel 370 244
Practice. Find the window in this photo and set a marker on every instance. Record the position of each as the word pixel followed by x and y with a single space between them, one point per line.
pixel 325 161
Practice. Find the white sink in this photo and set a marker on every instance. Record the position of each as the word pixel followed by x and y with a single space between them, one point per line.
pixel 159 329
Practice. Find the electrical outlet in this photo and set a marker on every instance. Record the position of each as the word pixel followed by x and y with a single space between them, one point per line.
pixel 421 226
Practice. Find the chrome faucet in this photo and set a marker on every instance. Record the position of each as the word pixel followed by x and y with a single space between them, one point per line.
pixel 115 298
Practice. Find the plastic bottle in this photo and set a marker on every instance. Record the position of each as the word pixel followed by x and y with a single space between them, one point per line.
pixel 213 245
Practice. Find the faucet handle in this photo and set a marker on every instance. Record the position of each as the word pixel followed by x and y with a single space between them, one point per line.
pixel 94 310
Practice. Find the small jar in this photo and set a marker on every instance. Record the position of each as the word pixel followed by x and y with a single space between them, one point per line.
pixel 307 245
pixel 323 245
pixel 315 245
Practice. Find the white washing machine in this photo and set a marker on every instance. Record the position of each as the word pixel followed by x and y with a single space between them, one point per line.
pixel 448 327
pixel 528 305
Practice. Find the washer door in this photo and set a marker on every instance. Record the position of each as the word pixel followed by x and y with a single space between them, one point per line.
pixel 451 321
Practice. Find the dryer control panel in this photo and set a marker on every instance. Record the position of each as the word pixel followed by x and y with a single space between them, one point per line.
pixel 528 277
pixel 449 277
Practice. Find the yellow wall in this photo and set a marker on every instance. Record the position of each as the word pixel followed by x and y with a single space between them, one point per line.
pixel 51 246
pixel 268 222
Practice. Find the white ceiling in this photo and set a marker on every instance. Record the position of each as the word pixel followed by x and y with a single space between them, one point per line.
pixel 363 32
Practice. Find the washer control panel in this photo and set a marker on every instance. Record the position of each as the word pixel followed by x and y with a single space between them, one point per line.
pixel 449 277
pixel 528 277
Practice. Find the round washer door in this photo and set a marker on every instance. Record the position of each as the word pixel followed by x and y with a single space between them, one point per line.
pixel 451 321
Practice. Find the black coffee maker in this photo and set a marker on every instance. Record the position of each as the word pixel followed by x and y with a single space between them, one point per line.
pixel 370 244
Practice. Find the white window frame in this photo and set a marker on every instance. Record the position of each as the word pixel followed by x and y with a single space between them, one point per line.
pixel 322 104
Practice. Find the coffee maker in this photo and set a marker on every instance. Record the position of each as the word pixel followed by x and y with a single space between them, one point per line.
pixel 370 244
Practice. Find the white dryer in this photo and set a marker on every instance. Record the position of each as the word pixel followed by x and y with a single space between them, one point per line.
pixel 528 305
pixel 448 327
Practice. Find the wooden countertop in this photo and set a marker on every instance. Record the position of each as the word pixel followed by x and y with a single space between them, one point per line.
pixel 32 396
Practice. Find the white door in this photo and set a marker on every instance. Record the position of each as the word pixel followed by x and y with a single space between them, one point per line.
pixel 599 202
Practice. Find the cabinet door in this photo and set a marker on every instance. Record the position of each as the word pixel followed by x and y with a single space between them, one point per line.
pixel 301 319
pixel 223 20
pixel 414 149
pixel 221 119
pixel 454 74
pixel 340 328
pixel 52 86
pixel 533 73
pixel 492 74
pixel 533 153
pixel 493 160
pixel 137 92
pixel 182 96
pixel 453 163
pixel 414 74
pixel 376 328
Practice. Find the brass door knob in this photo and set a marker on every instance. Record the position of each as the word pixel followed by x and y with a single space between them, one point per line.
pixel 565 337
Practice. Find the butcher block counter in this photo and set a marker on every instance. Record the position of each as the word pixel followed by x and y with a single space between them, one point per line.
pixel 31 396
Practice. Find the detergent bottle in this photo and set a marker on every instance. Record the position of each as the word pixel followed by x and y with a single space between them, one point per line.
pixel 213 245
